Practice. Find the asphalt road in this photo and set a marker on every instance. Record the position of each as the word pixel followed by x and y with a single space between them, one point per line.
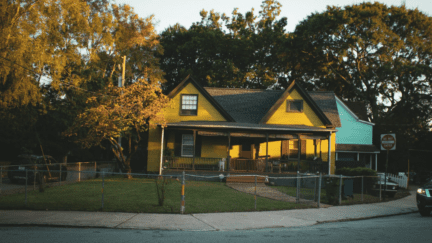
pixel 402 228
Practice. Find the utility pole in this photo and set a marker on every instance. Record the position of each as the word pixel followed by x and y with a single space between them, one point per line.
pixel 121 84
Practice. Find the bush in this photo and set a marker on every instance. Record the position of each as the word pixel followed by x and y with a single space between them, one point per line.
pixel 360 171
pixel 332 190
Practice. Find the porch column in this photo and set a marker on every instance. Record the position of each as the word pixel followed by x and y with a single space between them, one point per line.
pixel 329 153
pixel 267 169
pixel 193 154
pixel 228 152
pixel 161 153
pixel 370 161
pixel 358 156
pixel 298 152
pixel 376 162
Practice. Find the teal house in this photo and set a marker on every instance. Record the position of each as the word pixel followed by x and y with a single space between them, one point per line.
pixel 354 137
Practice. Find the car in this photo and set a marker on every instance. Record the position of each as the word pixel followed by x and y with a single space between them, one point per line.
pixel 424 199
pixel 391 189
pixel 45 166
pixel 422 177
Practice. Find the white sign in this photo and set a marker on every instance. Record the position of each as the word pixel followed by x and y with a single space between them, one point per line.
pixel 388 141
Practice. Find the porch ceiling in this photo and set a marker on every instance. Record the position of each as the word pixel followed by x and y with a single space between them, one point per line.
pixel 248 126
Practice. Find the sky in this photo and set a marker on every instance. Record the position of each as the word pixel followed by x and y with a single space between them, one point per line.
pixel 185 12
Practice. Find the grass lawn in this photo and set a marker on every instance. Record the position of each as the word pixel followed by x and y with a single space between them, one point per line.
pixel 139 195
pixel 367 198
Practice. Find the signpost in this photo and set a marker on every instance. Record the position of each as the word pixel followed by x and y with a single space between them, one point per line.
pixel 388 142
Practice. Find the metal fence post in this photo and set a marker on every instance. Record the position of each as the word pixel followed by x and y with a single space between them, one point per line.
pixel 298 188
pixel 1 178
pixel 182 205
pixel 25 200
pixel 362 190
pixel 340 190
pixel 319 189
pixel 60 174
pixel 255 191
pixel 79 171
pixel 380 191
pixel 103 186
pixel 34 179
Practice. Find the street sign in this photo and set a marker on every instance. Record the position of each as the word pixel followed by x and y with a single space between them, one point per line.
pixel 388 141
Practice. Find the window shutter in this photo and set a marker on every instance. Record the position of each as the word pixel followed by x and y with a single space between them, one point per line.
pixel 303 149
pixel 177 144
pixel 198 146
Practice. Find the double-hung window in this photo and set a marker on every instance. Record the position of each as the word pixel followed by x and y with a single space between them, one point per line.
pixel 187 145
pixel 189 105
pixel 294 106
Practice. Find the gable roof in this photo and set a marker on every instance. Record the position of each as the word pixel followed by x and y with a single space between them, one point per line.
pixel 251 106
pixel 216 105
pixel 307 99
pixel 245 105
pixel 327 103
pixel 356 110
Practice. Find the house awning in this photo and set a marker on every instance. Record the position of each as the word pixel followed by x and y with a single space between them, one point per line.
pixel 357 148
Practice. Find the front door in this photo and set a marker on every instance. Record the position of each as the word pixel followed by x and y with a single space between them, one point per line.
pixel 246 151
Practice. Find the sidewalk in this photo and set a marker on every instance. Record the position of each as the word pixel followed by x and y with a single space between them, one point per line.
pixel 208 221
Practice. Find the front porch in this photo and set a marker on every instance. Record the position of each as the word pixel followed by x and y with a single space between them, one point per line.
pixel 275 149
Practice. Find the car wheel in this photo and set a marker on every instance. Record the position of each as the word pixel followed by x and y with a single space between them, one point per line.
pixel 424 212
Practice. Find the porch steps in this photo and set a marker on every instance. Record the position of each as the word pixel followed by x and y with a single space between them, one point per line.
pixel 244 179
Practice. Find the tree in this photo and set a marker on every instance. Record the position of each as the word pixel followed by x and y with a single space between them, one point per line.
pixel 55 54
pixel 241 51
pixel 120 110
pixel 368 52
pixel 373 53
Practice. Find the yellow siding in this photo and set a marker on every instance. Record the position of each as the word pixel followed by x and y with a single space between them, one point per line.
pixel 274 149
pixel 206 111
pixel 214 147
pixel 154 145
pixel 310 149
pixel 307 117
pixel 324 151
pixel 235 151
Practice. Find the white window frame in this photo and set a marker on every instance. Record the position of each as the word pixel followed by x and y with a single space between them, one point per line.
pixel 183 145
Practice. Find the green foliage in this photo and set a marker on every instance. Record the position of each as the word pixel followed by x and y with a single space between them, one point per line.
pixel 370 52
pixel 358 171
pixel 161 186
pixel 369 177
pixel 56 54
pixel 219 51
pixel 332 190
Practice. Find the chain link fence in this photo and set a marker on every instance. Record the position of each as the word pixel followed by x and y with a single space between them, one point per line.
pixel 96 186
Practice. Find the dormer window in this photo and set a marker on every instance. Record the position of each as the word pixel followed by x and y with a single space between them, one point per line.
pixel 294 106
pixel 189 105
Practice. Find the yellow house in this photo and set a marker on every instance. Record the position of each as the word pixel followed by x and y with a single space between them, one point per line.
pixel 245 130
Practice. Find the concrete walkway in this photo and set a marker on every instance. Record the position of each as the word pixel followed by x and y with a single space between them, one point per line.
pixel 209 221
pixel 263 190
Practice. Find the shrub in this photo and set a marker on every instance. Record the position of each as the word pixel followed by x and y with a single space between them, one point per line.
pixel 360 171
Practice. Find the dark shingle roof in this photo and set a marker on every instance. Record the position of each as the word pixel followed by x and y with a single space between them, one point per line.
pixel 356 148
pixel 245 105
pixel 327 103
pixel 359 109
pixel 250 105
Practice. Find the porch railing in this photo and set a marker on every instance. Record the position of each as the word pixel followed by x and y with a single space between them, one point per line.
pixel 197 163
pixel 276 165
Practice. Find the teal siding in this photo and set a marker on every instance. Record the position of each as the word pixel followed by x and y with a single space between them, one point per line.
pixel 352 131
